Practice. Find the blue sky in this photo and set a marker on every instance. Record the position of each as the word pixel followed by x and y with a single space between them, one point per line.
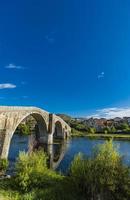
pixel 68 56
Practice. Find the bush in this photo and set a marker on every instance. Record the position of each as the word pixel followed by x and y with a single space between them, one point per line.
pixel 92 130
pixel 103 176
pixel 3 165
pixel 32 171
pixel 29 168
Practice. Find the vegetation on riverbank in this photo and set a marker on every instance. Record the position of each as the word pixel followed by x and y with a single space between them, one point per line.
pixel 76 133
pixel 34 181
pixel 102 176
pixel 3 165
pixel 80 129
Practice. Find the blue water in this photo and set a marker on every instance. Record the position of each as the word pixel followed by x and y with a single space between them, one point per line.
pixel 18 143
pixel 73 147
pixel 85 146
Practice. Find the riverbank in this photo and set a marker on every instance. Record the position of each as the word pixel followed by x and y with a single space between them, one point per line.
pixel 101 135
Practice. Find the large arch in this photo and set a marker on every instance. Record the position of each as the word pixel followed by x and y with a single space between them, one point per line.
pixel 42 135
pixel 42 126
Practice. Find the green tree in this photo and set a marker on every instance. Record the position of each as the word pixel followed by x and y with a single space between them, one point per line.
pixel 92 130
pixel 113 129
pixel 107 129
pixel 125 127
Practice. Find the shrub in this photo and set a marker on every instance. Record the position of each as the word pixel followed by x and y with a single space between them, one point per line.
pixel 103 175
pixel 29 168
pixel 3 165
pixel 32 171
pixel 92 130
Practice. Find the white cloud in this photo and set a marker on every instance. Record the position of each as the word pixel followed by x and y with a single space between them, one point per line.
pixel 101 75
pixel 12 66
pixel 7 86
pixel 111 113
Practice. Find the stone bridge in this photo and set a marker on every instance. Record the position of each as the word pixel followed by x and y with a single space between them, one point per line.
pixel 48 124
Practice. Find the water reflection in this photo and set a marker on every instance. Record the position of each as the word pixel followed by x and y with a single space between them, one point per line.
pixel 29 143
pixel 56 153
pixel 62 153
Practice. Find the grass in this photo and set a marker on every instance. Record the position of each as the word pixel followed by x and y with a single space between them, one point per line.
pixel 76 133
pixel 61 189
pixel 105 136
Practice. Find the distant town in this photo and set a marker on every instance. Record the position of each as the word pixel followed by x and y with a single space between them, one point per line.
pixel 99 125
pixel 102 123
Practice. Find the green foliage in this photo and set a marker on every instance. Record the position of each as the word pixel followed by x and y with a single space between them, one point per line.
pixel 24 129
pixel 102 175
pixel 92 130
pixel 113 129
pixel 77 133
pixel 66 118
pixel 77 125
pixel 125 127
pixel 3 165
pixel 106 131
pixel 60 189
pixel 32 171
pixel 29 168
pixel 82 127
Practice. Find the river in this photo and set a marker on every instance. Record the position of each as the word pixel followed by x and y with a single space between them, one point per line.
pixel 63 153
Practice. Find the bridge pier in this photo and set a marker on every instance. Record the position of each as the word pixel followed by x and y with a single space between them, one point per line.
pixel 50 138
pixel 5 145
pixel 2 137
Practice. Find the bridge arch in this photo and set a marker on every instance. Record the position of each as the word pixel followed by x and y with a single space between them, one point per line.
pixel 42 126
pixel 58 130
pixel 42 135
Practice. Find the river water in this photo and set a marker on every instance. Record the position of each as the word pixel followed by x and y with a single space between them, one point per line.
pixel 86 145
pixel 62 154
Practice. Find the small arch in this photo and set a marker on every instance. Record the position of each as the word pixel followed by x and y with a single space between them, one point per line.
pixel 65 132
pixel 58 132
pixel 42 134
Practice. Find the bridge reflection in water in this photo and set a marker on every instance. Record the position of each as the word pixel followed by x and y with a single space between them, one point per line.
pixel 28 143
pixel 55 151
